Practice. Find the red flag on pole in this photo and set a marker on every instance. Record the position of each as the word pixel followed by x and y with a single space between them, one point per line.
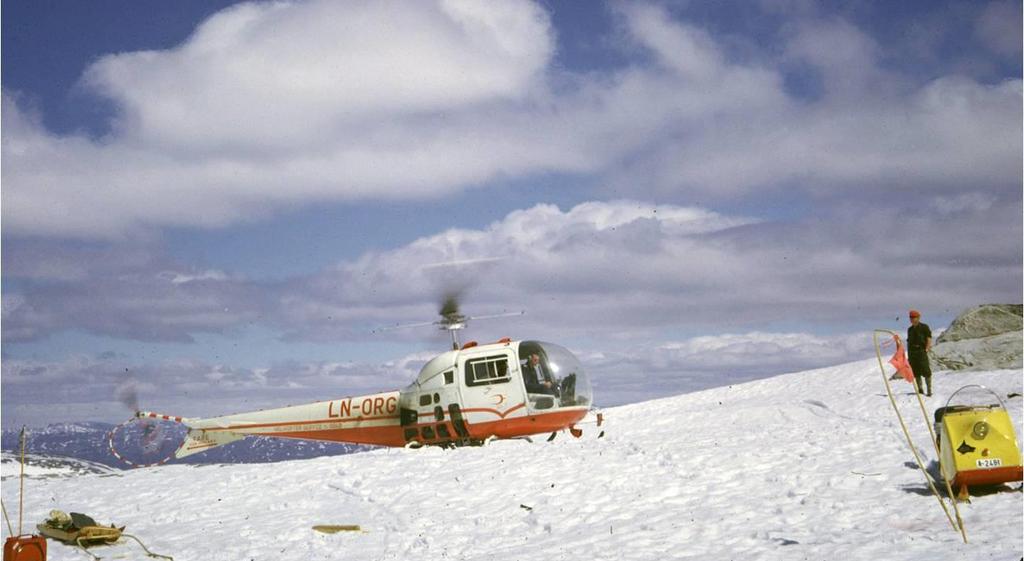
pixel 899 360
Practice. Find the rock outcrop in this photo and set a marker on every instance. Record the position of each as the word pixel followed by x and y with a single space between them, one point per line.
pixel 987 337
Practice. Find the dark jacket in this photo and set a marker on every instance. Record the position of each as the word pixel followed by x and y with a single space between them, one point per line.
pixel 534 379
pixel 917 338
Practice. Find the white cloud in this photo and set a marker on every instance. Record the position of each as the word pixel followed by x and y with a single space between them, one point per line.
pixel 870 131
pixel 846 57
pixel 177 277
pixel 625 270
pixel 688 51
pixel 977 202
pixel 132 292
pixel 767 350
pixel 283 77
pixel 639 371
pixel 592 249
pixel 619 270
pixel 999 27
pixel 90 388
pixel 268 106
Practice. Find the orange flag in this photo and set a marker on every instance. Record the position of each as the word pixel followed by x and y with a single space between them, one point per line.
pixel 899 360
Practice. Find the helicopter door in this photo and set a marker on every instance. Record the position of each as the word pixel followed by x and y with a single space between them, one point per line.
pixel 491 390
pixel 440 414
pixel 434 424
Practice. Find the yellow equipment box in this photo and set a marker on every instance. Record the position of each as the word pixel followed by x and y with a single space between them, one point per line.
pixel 977 442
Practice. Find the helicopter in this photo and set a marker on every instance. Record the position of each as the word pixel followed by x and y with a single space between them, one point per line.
pixel 466 396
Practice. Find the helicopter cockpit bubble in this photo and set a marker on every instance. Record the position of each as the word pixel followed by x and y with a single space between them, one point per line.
pixel 553 376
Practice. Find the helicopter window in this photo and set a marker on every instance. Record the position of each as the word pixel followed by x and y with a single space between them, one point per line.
pixel 439 413
pixel 411 434
pixel 408 416
pixel 424 400
pixel 490 370
pixel 449 377
pixel 428 433
pixel 437 398
pixel 442 431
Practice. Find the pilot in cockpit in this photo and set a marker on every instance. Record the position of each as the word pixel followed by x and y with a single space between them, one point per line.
pixel 536 379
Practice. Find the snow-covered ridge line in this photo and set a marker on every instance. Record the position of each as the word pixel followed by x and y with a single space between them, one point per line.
pixel 802 465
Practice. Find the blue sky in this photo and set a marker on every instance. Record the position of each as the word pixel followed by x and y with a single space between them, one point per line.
pixel 218 203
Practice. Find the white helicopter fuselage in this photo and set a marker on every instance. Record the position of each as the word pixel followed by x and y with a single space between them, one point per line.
pixel 460 397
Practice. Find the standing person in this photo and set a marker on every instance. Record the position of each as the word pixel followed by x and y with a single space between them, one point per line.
pixel 919 344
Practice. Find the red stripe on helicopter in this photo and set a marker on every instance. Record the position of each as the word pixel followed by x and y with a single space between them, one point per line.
pixel 202 446
pixel 390 435
pixel 516 426
pixel 526 425
pixel 495 411
pixel 499 414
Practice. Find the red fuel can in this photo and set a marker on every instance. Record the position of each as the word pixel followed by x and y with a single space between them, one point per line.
pixel 27 547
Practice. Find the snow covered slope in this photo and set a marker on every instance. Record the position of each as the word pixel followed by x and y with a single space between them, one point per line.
pixel 801 466
pixel 45 465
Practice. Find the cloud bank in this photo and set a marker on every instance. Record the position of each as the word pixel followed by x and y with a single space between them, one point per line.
pixel 650 267
pixel 267 107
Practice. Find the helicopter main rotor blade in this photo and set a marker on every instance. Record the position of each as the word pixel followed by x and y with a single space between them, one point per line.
pixel 405 326
pixel 453 280
pixel 504 315
pixel 461 263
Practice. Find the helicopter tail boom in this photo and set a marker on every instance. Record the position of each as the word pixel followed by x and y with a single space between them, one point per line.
pixel 197 439
pixel 369 419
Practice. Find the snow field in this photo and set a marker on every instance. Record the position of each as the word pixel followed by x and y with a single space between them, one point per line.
pixel 811 465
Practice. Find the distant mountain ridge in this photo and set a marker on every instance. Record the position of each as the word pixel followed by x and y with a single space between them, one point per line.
pixel 88 441
pixel 42 466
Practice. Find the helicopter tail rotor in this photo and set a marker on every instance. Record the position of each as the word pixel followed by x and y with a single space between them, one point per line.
pixel 143 440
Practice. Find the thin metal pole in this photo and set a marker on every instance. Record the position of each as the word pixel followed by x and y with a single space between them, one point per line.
pixel 10 529
pixel 935 445
pixel 21 494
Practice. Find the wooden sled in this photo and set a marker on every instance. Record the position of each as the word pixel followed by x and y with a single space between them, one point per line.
pixel 84 532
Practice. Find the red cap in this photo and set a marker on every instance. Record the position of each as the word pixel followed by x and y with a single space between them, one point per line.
pixel 915 314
